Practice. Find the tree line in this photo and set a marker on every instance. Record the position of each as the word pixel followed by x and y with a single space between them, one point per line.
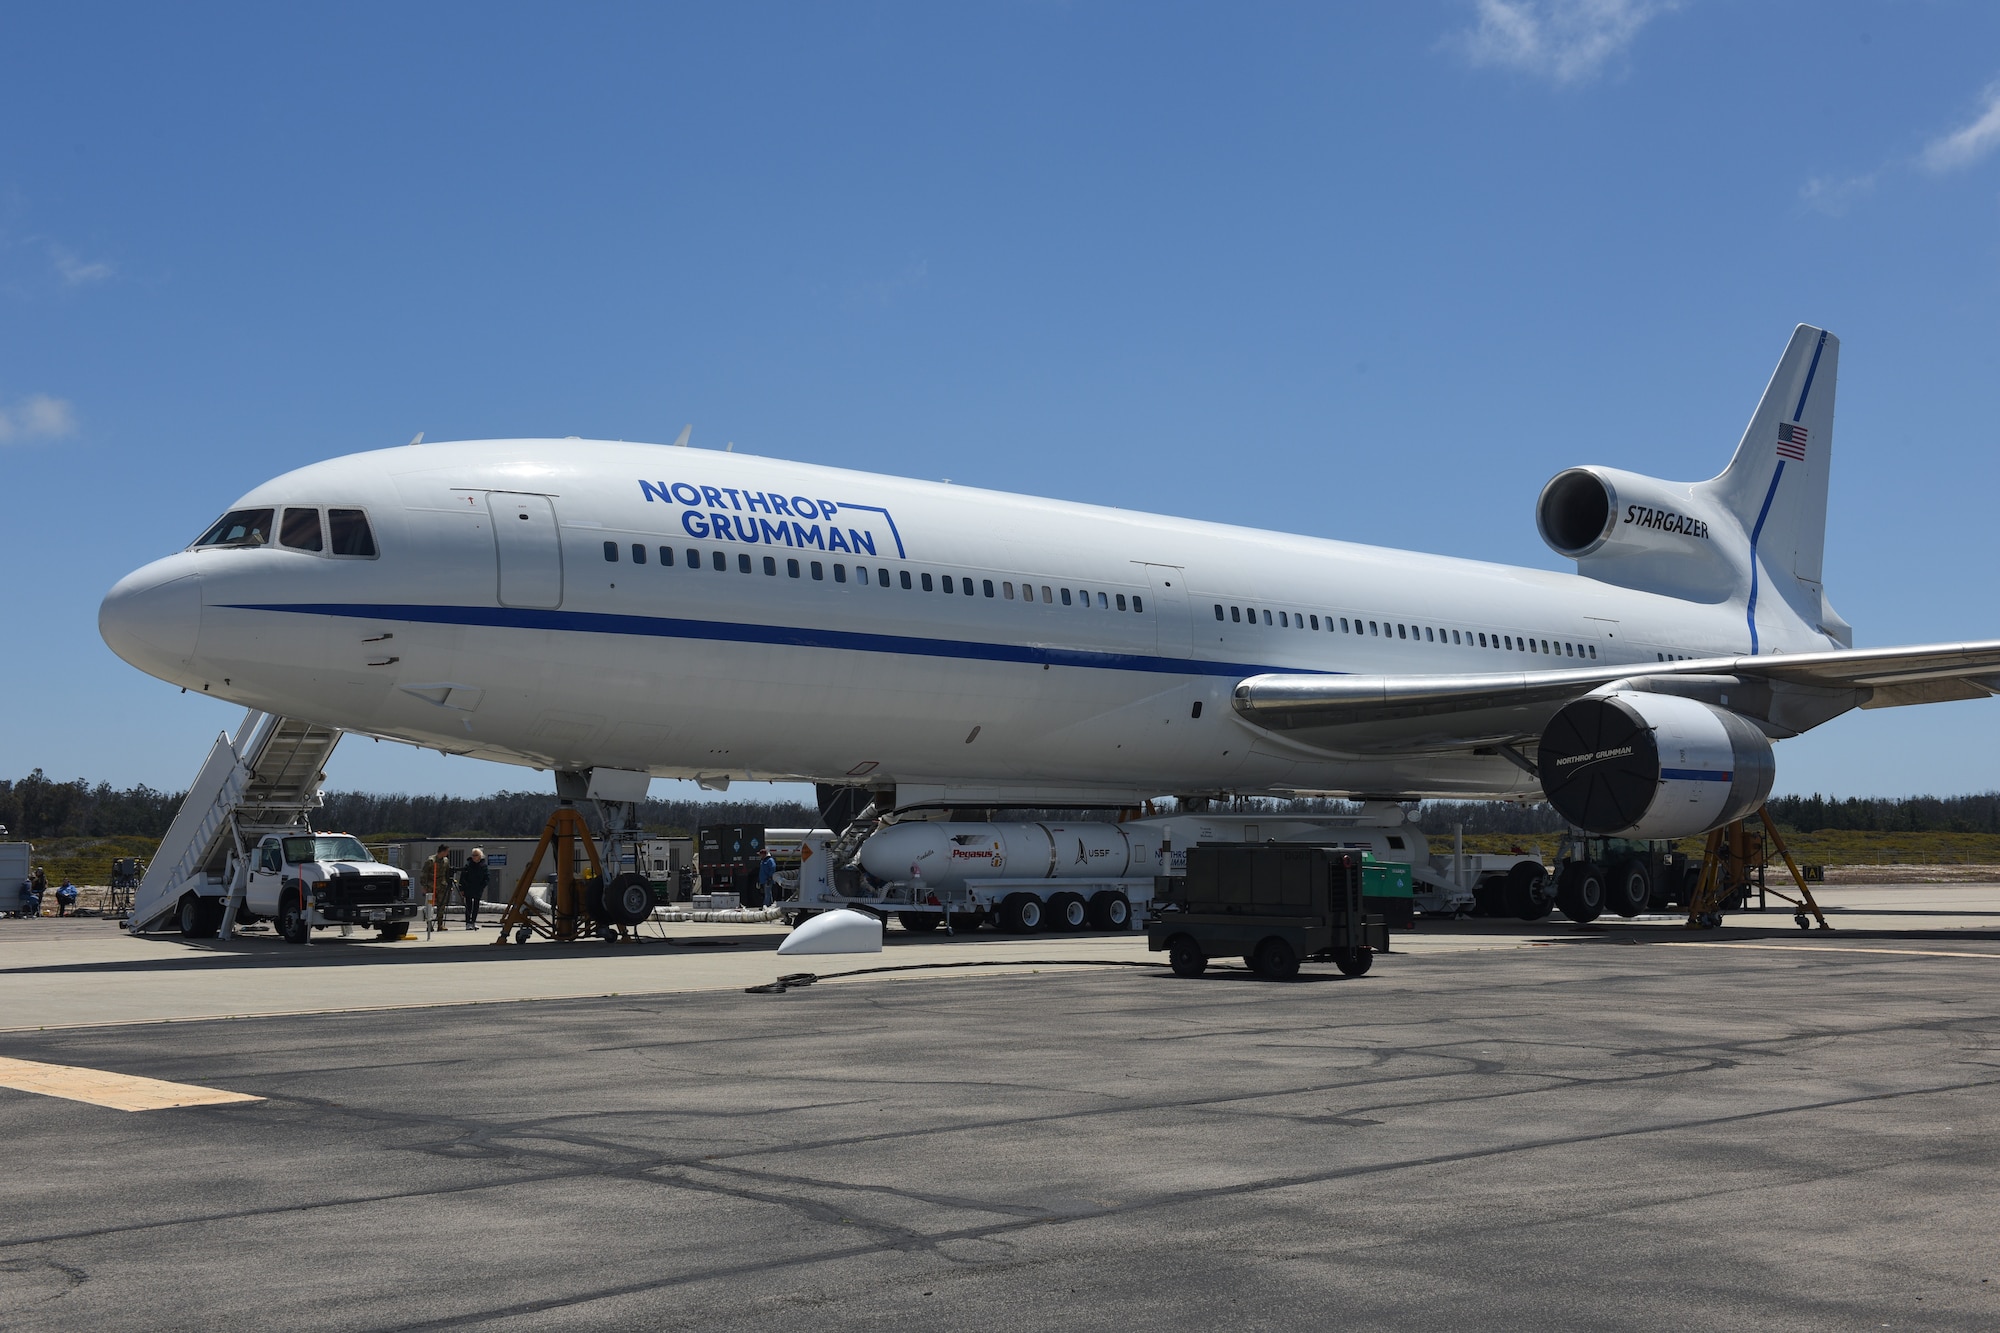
pixel 37 806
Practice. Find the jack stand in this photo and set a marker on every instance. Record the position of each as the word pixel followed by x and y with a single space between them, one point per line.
pixel 1725 865
pixel 572 909
pixel 1805 902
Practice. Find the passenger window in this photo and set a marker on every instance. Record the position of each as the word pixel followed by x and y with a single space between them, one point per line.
pixel 1371 627
pixel 1138 604
pixel 1454 636
pixel 968 586
pixel 882 578
pixel 1065 593
pixel 906 580
pixel 1121 601
pixel 840 573
pixel 1267 616
pixel 1008 589
pixel 792 568
pixel 1102 603
pixel 301 530
pixel 611 552
pixel 1283 623
pixel 638 554
pixel 743 562
pixel 667 555
pixel 927 583
pixel 349 533
pixel 1027 592
pixel 1402 632
pixel 818 572
pixel 1428 637
pixel 947 584
pixel 720 561
pixel 694 558
pixel 1045 593
pixel 1343 624
pixel 771 565
pixel 1235 613
pixel 986 586
pixel 1593 650
pixel 1315 621
pixel 240 527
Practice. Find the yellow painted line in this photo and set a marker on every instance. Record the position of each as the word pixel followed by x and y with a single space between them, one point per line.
pixel 1819 948
pixel 100 1087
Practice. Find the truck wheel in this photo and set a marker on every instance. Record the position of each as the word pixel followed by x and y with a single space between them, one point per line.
pixel 1528 895
pixel 1276 960
pixel 964 923
pixel 1354 962
pixel 394 930
pixel 1630 889
pixel 1110 910
pixel 1020 914
pixel 197 922
pixel 628 900
pixel 1581 893
pixel 292 922
pixel 1067 912
pixel 1185 958
pixel 918 923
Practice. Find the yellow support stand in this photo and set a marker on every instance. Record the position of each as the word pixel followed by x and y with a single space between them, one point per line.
pixel 565 829
pixel 1725 865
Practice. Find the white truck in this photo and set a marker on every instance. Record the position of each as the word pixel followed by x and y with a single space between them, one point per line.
pixel 301 881
pixel 1026 876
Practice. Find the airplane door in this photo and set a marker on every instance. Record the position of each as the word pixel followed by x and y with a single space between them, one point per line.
pixel 1170 610
pixel 527 548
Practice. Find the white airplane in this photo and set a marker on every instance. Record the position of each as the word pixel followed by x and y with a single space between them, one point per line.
pixel 616 608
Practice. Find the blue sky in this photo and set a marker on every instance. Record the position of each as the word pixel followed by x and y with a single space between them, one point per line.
pixel 1373 272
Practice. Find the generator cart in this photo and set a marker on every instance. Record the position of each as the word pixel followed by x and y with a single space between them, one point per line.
pixel 1273 905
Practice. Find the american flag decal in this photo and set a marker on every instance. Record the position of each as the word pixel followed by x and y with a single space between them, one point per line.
pixel 1792 441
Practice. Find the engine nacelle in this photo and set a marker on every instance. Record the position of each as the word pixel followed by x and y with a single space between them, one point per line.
pixel 1639 531
pixel 1653 765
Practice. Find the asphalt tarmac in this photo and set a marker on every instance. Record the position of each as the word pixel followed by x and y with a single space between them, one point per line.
pixel 1623 1131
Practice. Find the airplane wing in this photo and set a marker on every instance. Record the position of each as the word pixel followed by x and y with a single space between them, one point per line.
pixel 1785 693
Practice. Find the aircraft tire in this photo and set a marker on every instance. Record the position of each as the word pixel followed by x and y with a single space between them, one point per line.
pixel 919 923
pixel 1110 910
pixel 1356 962
pixel 627 900
pixel 1067 912
pixel 1185 959
pixel 1275 960
pixel 1629 889
pixel 1528 895
pixel 1581 893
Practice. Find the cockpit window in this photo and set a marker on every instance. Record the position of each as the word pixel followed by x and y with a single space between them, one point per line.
pixel 239 527
pixel 349 531
pixel 300 530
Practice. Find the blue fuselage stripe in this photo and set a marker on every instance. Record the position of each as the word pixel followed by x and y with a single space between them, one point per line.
pixel 1696 775
pixel 783 636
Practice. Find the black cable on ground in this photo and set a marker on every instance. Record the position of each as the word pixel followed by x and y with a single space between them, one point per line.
pixel 795 979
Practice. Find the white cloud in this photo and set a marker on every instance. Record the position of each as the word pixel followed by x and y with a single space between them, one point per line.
pixel 1834 195
pixel 37 417
pixel 1567 41
pixel 76 271
pixel 1970 142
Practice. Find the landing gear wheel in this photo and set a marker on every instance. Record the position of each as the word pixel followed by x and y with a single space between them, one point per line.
pixel 200 917
pixel 1527 893
pixel 1580 895
pixel 628 900
pixel 918 923
pixel 1109 910
pixel 1489 896
pixel 1020 914
pixel 1067 912
pixel 1185 958
pixel 292 921
pixel 394 930
pixel 1275 960
pixel 1630 889
pixel 1354 962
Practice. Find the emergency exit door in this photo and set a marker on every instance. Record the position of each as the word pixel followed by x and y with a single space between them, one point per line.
pixel 1170 610
pixel 528 549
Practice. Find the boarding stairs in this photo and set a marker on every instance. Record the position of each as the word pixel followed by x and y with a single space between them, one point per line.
pixel 266 775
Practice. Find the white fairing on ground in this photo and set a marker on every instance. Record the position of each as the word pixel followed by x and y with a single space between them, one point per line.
pixel 682 613
pixel 839 931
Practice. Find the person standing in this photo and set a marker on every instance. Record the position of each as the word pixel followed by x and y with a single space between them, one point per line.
pixel 767 879
pixel 472 879
pixel 437 884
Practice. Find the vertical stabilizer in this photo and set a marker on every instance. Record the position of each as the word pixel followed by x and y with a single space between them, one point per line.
pixel 1775 486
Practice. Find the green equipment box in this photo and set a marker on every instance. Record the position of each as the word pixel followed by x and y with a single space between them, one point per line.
pixel 1387 890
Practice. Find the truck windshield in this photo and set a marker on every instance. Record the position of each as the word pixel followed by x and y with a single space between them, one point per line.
pixel 340 847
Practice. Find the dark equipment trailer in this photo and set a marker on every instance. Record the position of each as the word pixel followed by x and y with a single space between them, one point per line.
pixel 1271 904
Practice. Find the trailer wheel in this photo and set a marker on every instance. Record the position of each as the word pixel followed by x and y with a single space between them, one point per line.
pixel 628 900
pixel 394 930
pixel 1067 912
pixel 1110 910
pixel 1630 891
pixel 964 923
pixel 1185 958
pixel 1580 895
pixel 918 923
pixel 1020 914
pixel 200 917
pixel 1275 960
pixel 1353 962
pixel 291 921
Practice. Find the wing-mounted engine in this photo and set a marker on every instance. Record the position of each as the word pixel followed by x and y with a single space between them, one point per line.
pixel 1641 532
pixel 1653 765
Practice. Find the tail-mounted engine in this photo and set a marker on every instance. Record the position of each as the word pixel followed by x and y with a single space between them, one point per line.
pixel 1640 532
pixel 1653 765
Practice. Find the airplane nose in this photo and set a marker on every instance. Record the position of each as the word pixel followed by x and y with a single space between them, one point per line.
pixel 152 620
